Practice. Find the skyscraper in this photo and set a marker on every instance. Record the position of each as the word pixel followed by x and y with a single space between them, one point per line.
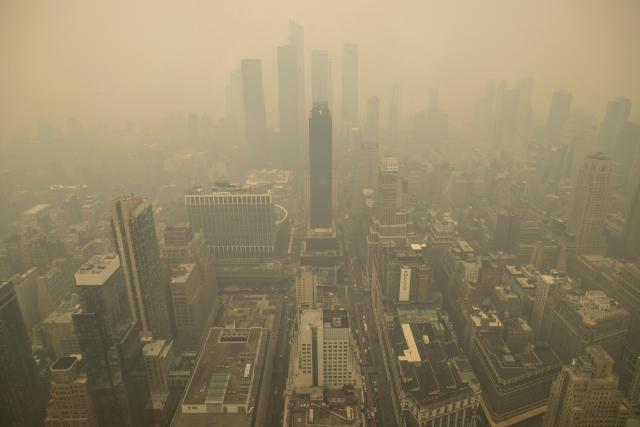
pixel 319 76
pixel 589 204
pixel 632 228
pixel 134 235
pixel 21 395
pixel 110 344
pixel 320 167
pixel 290 111
pixel 586 393
pixel 393 115
pixel 350 84
pixel 296 39
pixel 618 111
pixel 371 134
pixel 255 118
pixel 558 115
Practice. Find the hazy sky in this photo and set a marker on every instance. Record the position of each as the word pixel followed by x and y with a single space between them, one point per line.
pixel 116 59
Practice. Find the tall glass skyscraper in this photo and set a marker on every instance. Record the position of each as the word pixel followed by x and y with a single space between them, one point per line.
pixel 320 166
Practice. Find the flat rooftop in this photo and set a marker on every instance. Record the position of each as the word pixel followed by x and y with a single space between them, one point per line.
pixel 223 388
pixel 97 270
pixel 510 365
pixel 431 363
pixel 249 310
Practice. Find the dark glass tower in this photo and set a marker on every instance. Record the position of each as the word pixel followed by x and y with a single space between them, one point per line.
pixel 21 395
pixel 320 152
pixel 110 344
pixel 134 235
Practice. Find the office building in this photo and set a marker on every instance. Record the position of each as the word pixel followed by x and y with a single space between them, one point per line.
pixel 407 275
pixel 514 371
pixel 325 355
pixel 56 332
pixel 350 84
pixel 70 403
pixel 236 221
pixel 558 115
pixel 583 319
pixel 110 344
pixel 291 122
pixel 226 382
pixel 589 204
pixel 320 77
pixel 255 119
pixel 159 356
pixel 134 234
pixel 391 225
pixel 632 228
pixel 320 167
pixel 586 393
pixel 618 111
pixel 182 245
pixel 434 381
pixel 194 302
pixel 22 398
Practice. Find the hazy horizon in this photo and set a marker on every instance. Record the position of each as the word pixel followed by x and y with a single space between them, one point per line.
pixel 118 61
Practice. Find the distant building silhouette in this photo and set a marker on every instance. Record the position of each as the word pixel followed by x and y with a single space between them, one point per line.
pixel 320 76
pixel 255 118
pixel 558 115
pixel 291 130
pixel 618 111
pixel 350 84
pixel 372 126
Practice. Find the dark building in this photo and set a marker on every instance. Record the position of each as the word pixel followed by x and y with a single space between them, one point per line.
pixel 350 84
pixel 134 235
pixel 558 115
pixel 110 344
pixel 21 394
pixel 320 167
pixel 507 232
pixel 632 228
pixel 255 118
pixel 291 133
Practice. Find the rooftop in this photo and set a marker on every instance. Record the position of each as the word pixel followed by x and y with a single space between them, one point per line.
pixel 431 364
pixel 510 366
pixel 97 270
pixel 225 371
